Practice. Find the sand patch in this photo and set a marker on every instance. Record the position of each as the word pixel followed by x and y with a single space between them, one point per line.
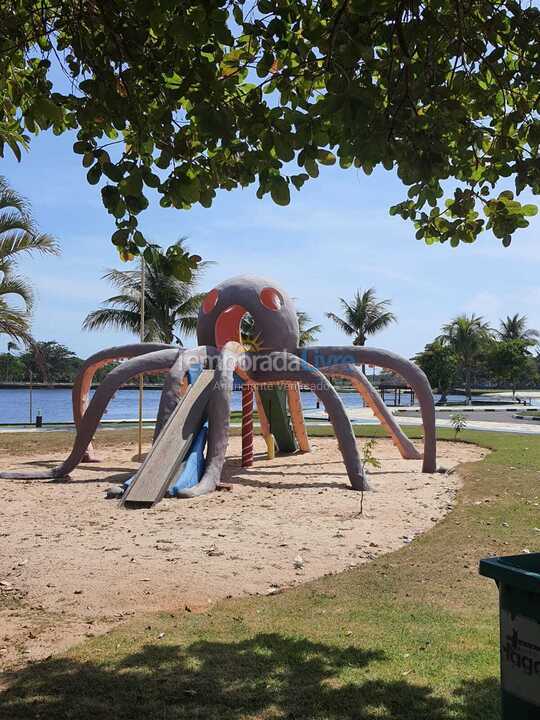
pixel 74 564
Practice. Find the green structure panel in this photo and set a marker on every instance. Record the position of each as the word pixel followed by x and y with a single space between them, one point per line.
pixel 275 405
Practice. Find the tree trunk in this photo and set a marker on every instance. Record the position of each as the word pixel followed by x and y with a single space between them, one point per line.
pixel 468 392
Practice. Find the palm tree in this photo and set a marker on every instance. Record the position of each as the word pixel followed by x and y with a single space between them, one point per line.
pixel 364 316
pixel 51 361
pixel 515 328
pixel 467 336
pixel 308 333
pixel 170 305
pixel 18 235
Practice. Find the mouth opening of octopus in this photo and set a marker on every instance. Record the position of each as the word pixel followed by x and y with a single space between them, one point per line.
pixel 228 325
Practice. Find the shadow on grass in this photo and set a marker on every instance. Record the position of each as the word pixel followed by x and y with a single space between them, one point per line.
pixel 267 676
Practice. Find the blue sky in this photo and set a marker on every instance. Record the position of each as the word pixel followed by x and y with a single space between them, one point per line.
pixel 335 237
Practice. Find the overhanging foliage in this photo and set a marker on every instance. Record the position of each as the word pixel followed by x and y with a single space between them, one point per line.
pixel 187 97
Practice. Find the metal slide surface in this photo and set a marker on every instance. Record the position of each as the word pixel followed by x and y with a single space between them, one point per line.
pixel 163 461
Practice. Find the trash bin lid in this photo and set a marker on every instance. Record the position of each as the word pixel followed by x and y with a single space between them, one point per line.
pixel 521 571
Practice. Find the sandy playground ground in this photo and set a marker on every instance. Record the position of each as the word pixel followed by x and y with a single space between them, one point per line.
pixel 73 564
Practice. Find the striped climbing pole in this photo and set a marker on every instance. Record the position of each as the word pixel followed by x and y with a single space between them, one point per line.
pixel 247 425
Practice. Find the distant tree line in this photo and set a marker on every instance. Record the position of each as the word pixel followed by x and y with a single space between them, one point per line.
pixel 469 352
pixel 48 362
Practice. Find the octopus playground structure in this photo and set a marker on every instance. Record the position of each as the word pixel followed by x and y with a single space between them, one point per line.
pixel 192 427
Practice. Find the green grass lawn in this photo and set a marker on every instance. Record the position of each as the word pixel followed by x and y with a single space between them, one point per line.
pixel 410 636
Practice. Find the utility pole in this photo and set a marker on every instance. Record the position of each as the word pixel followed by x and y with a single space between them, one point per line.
pixel 141 377
pixel 30 398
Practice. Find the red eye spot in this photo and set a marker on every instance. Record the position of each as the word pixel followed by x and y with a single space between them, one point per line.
pixel 210 301
pixel 271 299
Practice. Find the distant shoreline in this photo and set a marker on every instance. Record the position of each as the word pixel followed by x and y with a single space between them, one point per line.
pixel 68 386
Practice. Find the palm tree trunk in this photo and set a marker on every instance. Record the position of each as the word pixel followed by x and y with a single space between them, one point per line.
pixel 468 392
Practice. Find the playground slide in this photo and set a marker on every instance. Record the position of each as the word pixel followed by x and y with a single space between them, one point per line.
pixel 275 404
pixel 192 467
pixel 164 462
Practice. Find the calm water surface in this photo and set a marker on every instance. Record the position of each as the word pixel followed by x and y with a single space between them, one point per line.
pixel 55 404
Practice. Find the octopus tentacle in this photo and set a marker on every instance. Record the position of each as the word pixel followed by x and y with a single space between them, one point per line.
pixel 83 381
pixel 149 362
pixel 219 410
pixel 362 385
pixel 331 355
pixel 297 370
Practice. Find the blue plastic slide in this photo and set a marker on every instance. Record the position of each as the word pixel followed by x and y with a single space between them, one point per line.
pixel 192 468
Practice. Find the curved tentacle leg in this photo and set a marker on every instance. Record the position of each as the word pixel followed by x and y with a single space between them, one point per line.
pixel 83 381
pixel 331 355
pixel 219 411
pixel 362 385
pixel 172 387
pixel 150 362
pixel 297 370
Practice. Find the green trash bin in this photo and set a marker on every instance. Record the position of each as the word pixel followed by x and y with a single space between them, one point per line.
pixel 518 578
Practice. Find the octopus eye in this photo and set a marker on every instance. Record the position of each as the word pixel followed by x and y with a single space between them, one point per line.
pixel 271 299
pixel 210 301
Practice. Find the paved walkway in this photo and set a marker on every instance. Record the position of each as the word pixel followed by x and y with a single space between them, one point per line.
pixel 361 416
pixel 364 416
pixel 488 407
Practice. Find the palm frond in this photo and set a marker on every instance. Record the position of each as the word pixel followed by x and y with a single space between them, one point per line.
pixel 17 285
pixel 191 305
pixel 129 302
pixel 9 198
pixel 379 322
pixel 19 241
pixel 187 325
pixel 126 280
pixel 515 328
pixel 11 220
pixel 153 332
pixel 14 323
pixel 169 303
pixel 112 317
pixel 342 324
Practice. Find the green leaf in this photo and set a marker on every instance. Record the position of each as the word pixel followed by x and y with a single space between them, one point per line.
pixel 45 108
pixel 120 237
pixel 284 147
pixel 113 172
pixel 150 179
pixel 279 191
pixel 299 180
pixel 325 157
pixel 81 147
pixel 94 174
pixel 311 167
pixel 88 159
pixel 138 238
pixel 131 185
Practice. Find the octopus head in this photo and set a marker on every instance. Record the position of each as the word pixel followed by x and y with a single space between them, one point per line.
pixel 271 309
